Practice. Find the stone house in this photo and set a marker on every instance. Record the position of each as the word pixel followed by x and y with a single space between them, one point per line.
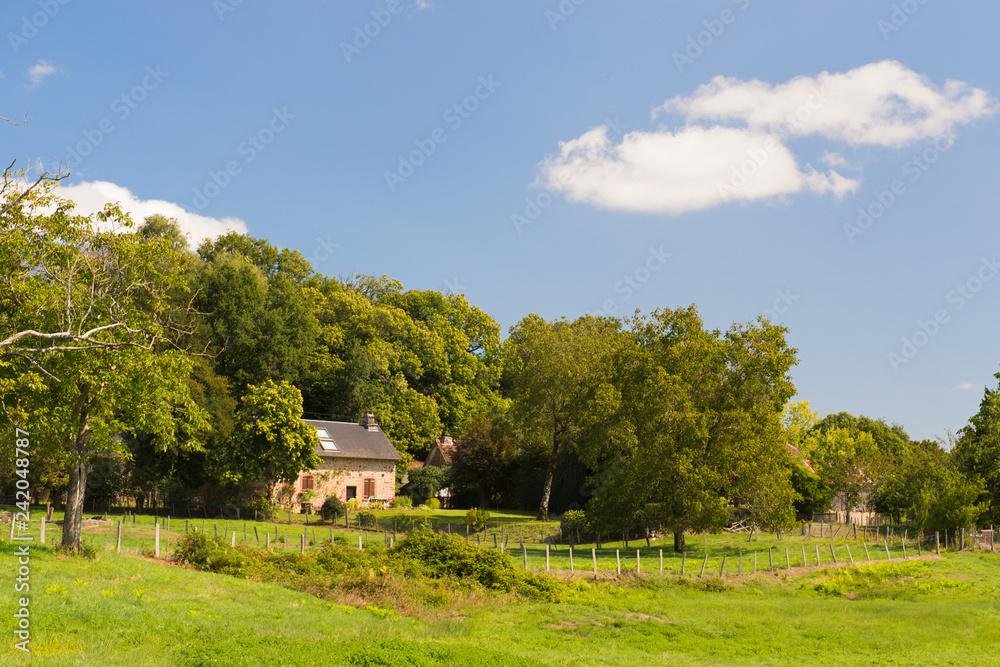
pixel 357 463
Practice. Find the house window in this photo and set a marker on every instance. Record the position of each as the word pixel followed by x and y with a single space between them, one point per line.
pixel 308 482
pixel 369 488
pixel 352 492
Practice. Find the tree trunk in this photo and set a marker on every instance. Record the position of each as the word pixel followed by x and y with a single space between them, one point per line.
pixel 679 545
pixel 484 498
pixel 543 507
pixel 73 520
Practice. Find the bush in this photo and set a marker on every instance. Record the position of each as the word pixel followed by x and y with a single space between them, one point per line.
pixel 434 504
pixel 367 519
pixel 477 518
pixel 574 521
pixel 333 507
pixel 401 502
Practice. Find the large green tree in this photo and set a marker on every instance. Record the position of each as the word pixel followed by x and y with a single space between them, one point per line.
pixel 699 426
pixel 88 337
pixel 977 452
pixel 422 361
pixel 557 374
pixel 271 444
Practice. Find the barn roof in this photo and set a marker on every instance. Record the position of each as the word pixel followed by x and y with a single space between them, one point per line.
pixel 351 440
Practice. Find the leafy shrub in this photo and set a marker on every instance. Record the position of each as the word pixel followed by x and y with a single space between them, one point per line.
pixel 434 504
pixel 353 504
pixel 368 519
pixel 401 502
pixel 333 507
pixel 450 555
pixel 574 522
pixel 477 518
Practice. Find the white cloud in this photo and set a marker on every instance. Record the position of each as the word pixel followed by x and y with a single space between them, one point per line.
pixel 882 104
pixel 424 4
pixel 698 166
pixel 673 172
pixel 968 385
pixel 41 70
pixel 90 197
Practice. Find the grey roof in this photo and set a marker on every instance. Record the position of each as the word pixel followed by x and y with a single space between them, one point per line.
pixel 355 441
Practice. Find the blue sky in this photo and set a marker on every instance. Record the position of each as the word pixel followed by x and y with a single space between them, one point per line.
pixel 570 158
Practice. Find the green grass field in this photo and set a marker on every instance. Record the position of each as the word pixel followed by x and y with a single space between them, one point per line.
pixel 124 609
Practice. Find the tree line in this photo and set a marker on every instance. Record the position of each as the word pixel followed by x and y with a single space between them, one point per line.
pixel 148 369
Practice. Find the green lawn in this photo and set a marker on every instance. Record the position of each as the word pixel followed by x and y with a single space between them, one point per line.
pixel 127 610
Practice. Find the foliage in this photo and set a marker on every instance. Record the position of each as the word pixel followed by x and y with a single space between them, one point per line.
pixel 796 422
pixel 432 504
pixel 849 462
pixel 557 373
pixel 368 519
pixel 333 508
pixel 575 522
pixel 814 494
pixel 89 331
pixel 977 452
pixel 259 317
pixel 697 427
pixel 477 518
pixel 484 459
pixel 427 481
pixel 424 362
pixel 271 443
pixel 401 502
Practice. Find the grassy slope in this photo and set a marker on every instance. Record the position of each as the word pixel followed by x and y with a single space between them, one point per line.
pixel 122 610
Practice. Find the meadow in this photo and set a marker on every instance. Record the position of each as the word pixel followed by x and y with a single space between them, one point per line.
pixel 129 609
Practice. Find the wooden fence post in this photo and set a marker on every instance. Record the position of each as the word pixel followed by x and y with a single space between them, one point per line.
pixel 43 530
pixel 887 556
pixel 905 557
pixel 618 560
pixel 849 554
pixel 770 559
pixel 256 535
pixel 804 563
pixel 818 563
pixel 302 544
pixel 739 565
pixel 361 539
pixel 118 545
pixel 570 557
pixel 168 524
pixel 593 555
pixel 638 568
pixel 157 551
pixel 285 540
pixel 267 541
pixel 755 562
pixel 546 556
pixel 937 542
pixel 722 570
pixel 185 526
pixel 833 553
pixel 524 556
pixel 867 555
pixel 704 563
pixel 788 562
pixel 215 526
pixel 684 557
pixel 661 561
pixel 233 542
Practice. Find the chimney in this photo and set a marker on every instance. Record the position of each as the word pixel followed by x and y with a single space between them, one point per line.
pixel 369 421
